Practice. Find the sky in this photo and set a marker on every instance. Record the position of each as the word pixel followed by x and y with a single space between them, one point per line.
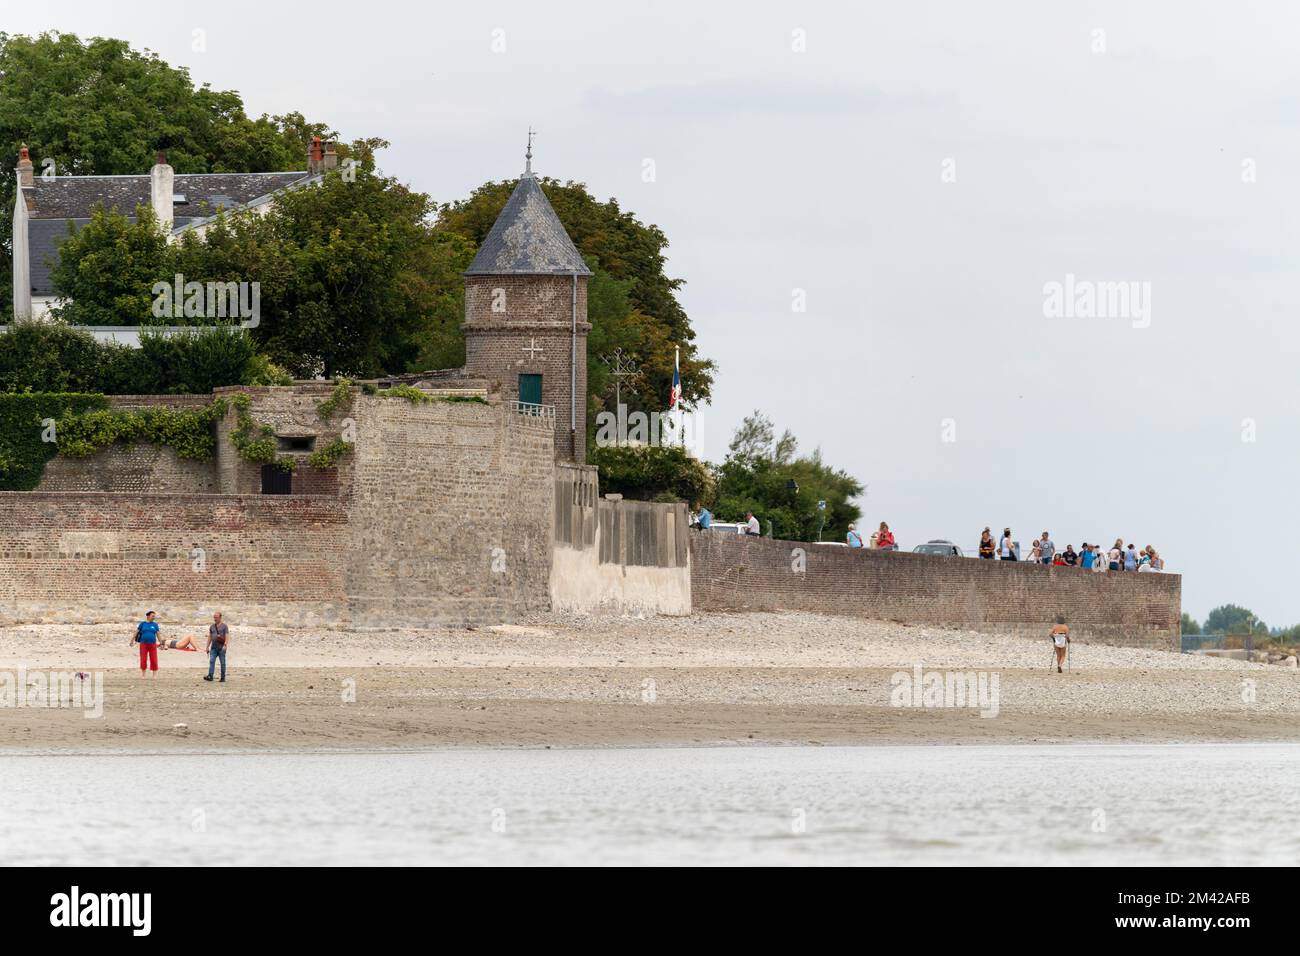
pixel 869 204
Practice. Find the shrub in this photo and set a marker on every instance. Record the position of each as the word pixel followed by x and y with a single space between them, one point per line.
pixel 24 449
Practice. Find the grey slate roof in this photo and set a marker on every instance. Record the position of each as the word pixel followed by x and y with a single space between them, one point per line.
pixel 73 197
pixel 527 239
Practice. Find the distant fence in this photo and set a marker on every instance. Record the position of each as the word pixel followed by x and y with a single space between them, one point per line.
pixel 1191 643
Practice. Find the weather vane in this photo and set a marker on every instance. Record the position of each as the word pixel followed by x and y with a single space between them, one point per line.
pixel 619 369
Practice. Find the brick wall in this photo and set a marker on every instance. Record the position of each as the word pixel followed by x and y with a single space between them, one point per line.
pixel 537 312
pixel 102 556
pixel 738 572
pixel 442 513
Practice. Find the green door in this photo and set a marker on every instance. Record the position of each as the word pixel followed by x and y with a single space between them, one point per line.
pixel 530 389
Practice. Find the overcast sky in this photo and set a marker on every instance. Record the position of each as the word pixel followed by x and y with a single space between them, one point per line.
pixel 1116 142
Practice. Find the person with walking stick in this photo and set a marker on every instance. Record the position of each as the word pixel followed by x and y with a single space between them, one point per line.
pixel 1060 640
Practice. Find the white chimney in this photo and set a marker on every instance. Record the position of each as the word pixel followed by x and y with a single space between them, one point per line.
pixel 161 179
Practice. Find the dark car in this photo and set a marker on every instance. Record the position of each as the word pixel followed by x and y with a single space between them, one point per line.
pixel 938 546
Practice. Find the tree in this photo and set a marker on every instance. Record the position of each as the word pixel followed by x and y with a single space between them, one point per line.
pixel 1231 619
pixel 107 268
pixel 99 107
pixel 1188 624
pixel 648 473
pixel 762 474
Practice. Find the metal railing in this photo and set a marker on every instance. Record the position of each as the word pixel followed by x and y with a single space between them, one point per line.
pixel 530 410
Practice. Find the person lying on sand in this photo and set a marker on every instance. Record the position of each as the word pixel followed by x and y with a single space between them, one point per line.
pixel 1060 639
pixel 185 643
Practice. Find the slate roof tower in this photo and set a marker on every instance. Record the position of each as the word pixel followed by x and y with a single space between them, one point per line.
pixel 526 314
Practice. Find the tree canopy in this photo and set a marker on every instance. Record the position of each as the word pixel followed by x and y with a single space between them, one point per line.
pixel 99 107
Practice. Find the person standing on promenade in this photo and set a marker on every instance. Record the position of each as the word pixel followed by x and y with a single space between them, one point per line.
pixel 853 539
pixel 1070 556
pixel 218 638
pixel 1115 555
pixel 1087 557
pixel 146 635
pixel 987 546
pixel 1060 640
pixel 1007 550
pixel 1046 549
pixel 1131 559
pixel 885 539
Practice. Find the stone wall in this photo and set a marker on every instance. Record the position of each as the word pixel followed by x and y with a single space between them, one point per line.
pixel 143 468
pixel 452 508
pixel 736 572
pixel 611 554
pixel 442 513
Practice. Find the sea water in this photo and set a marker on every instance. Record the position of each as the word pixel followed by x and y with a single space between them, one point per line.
pixel 1006 805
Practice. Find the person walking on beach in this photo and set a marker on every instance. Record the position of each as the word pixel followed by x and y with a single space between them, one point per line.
pixel 987 546
pixel 146 635
pixel 1060 640
pixel 218 638
pixel 1007 550
pixel 853 539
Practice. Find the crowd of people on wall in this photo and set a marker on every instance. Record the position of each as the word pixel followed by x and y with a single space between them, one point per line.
pixel 1089 557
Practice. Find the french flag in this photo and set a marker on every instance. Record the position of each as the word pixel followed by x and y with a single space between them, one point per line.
pixel 675 398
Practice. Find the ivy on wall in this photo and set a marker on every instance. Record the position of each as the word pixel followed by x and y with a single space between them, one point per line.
pixel 29 425
pixel 35 426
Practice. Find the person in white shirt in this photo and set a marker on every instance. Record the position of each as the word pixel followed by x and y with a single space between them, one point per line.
pixel 751 524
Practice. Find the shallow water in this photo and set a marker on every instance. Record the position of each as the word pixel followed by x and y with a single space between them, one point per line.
pixel 1071 805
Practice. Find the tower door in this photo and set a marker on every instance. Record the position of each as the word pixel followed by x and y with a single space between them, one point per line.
pixel 530 389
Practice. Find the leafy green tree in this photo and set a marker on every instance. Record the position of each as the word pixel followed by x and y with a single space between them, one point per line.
pixel 1231 619
pixel 99 107
pixel 107 268
pixel 763 474
pixel 647 473
pixel 1188 624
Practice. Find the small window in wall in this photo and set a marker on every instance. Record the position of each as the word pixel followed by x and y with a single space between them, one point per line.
pixel 297 443
pixel 530 390
pixel 276 481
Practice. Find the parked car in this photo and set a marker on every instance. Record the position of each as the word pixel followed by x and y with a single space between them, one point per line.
pixel 727 527
pixel 939 546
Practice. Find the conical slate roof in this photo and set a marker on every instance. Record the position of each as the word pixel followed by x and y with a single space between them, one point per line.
pixel 527 239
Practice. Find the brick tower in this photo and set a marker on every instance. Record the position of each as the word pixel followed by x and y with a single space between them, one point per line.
pixel 526 314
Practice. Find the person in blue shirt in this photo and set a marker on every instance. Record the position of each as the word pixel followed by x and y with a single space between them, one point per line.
pixel 146 635
pixel 705 519
pixel 853 539
pixel 1087 556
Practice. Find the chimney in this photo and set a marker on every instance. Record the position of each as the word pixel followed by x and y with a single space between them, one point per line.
pixel 315 158
pixel 24 167
pixel 161 180
pixel 331 156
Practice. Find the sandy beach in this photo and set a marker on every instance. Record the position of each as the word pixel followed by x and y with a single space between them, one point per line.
pixel 566 681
